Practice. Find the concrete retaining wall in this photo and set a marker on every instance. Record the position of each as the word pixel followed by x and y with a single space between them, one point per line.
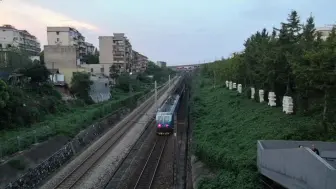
pixel 199 171
pixel 296 166
pixel 34 176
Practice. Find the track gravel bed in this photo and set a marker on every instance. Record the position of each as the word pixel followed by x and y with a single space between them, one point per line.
pixel 123 175
pixel 164 178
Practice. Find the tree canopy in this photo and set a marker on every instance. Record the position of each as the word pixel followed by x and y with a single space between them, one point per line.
pixel 292 60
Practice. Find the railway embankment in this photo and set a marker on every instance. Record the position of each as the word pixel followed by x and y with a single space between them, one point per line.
pixel 65 153
pixel 225 129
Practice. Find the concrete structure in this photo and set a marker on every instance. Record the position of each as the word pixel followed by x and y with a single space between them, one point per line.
pixel 161 64
pixel 102 69
pixel 65 36
pixel 116 50
pixel 189 67
pixel 62 59
pixel 325 31
pixel 100 89
pixel 143 61
pixel 89 48
pixel 139 62
pixel 68 36
pixel 293 167
pixel 22 39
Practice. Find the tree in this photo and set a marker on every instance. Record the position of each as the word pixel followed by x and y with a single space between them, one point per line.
pixel 4 95
pixel 114 72
pixel 291 61
pixel 42 57
pixel 38 73
pixel 91 59
pixel 81 85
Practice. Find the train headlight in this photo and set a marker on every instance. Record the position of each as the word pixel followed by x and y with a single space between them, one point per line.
pixel 159 125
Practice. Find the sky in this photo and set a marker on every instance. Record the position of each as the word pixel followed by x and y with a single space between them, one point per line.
pixel 176 31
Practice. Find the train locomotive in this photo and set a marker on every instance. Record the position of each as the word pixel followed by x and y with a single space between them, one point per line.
pixel 166 115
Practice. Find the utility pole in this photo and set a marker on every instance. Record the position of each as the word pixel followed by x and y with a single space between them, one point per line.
pixel 53 72
pixel 155 96
pixel 129 84
pixel 169 81
pixel 214 84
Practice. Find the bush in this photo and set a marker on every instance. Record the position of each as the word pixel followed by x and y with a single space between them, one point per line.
pixel 68 124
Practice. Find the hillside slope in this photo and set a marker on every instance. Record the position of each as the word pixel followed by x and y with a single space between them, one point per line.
pixel 227 127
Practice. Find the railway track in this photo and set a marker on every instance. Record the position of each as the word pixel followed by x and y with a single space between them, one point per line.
pixel 146 177
pixel 73 178
pixel 119 176
pixel 182 143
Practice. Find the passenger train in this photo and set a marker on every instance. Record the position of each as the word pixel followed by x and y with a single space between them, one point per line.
pixel 166 115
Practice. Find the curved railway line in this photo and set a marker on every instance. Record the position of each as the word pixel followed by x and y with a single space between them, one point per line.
pixel 74 177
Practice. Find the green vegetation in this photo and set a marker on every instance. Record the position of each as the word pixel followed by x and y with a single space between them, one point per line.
pixel 292 61
pixel 80 86
pixel 32 110
pixel 227 127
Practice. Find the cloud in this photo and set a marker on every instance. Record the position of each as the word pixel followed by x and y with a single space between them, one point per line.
pixel 35 19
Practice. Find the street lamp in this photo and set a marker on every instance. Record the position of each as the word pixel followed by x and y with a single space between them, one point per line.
pixel 129 84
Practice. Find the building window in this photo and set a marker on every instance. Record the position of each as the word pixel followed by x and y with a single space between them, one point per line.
pixel 57 33
pixel 102 70
pixel 57 39
pixel 91 70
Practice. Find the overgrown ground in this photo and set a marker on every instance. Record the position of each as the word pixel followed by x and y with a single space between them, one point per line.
pixel 68 123
pixel 227 127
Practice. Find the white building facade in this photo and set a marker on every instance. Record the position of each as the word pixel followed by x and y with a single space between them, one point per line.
pixel 22 39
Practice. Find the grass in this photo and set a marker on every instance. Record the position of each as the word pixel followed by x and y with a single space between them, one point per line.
pixel 227 127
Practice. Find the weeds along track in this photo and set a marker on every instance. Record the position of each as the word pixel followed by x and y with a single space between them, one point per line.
pixel 145 178
pixel 74 177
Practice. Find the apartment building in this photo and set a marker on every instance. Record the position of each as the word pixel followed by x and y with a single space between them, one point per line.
pixel 89 48
pixel 22 39
pixel 143 61
pixel 161 64
pixel 68 36
pixel 116 50
pixel 325 31
pixel 135 65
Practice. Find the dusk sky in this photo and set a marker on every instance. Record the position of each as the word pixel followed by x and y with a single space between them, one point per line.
pixel 176 31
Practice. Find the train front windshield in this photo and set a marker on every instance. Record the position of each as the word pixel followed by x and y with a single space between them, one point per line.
pixel 163 120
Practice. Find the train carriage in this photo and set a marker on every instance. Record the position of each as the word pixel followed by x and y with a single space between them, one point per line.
pixel 166 115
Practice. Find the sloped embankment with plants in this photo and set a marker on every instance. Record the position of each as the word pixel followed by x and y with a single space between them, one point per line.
pixel 227 127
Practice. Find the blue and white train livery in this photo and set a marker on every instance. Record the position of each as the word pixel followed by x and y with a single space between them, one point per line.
pixel 166 115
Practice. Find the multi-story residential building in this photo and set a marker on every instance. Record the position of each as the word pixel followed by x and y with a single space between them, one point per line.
pixel 325 31
pixel 122 50
pixel 22 39
pixel 116 50
pixel 143 61
pixel 135 65
pixel 161 64
pixel 67 36
pixel 89 48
